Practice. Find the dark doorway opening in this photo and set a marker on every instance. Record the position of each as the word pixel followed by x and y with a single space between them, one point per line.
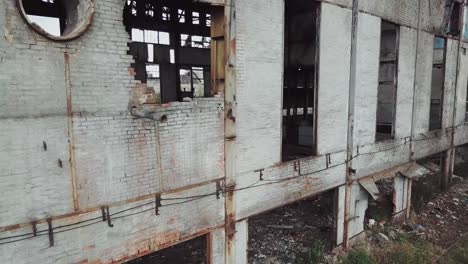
pixel 291 233
pixel 193 251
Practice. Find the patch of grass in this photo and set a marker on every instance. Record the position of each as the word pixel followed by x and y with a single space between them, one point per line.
pixel 409 254
pixel 315 254
pixel 408 250
pixel 358 256
pixel 456 255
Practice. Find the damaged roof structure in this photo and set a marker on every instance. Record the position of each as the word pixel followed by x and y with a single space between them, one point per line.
pixel 133 126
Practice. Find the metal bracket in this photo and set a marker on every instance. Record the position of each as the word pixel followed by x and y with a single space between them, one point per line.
pixel 51 232
pixel 351 170
pixel 328 159
pixel 34 227
pixel 157 203
pixel 261 173
pixel 219 189
pixel 109 220
pixel 103 211
pixel 297 166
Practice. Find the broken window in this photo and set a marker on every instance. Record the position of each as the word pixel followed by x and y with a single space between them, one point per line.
pixel 181 15
pixel 195 18
pixel 150 36
pixel 57 19
pixel 452 17
pixel 192 82
pixel 437 86
pixel 153 79
pixel 300 79
pixel 175 36
pixel 195 41
pixel 166 15
pixel 387 88
pixel 465 24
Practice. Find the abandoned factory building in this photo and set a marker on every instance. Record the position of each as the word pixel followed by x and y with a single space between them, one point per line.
pixel 128 127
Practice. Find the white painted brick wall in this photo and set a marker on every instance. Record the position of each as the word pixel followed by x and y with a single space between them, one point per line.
pixel 367 79
pixel 450 83
pixel 27 171
pixel 117 156
pixel 130 236
pixel 405 88
pixel 335 49
pixel 423 77
pixel 259 51
pixel 461 134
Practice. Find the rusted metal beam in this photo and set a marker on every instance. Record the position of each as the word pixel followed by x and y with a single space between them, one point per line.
pixel 350 133
pixel 230 126
pixel 71 139
pixel 408 198
pixel 97 209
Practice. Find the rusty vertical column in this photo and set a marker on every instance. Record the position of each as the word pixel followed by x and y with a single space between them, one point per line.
pixel 350 133
pixel 408 198
pixel 71 140
pixel 230 128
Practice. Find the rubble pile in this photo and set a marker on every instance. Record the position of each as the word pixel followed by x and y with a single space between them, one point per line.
pixel 281 235
pixel 445 218
pixel 442 220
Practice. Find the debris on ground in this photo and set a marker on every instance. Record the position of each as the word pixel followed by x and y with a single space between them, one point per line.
pixel 285 234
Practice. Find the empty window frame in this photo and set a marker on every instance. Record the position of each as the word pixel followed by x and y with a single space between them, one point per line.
pixel 387 88
pixel 300 79
pixel 465 23
pixel 192 82
pixel 437 84
pixel 153 80
pixel 150 36
pixel 466 106
pixel 175 36
pixel 195 41
pixel 452 15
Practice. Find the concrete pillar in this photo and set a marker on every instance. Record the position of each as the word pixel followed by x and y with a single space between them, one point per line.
pixel 401 192
pixel 447 169
pixel 339 214
pixel 237 244
pixel 216 248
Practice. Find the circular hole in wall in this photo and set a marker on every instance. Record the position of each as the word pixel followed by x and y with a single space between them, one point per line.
pixel 57 19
